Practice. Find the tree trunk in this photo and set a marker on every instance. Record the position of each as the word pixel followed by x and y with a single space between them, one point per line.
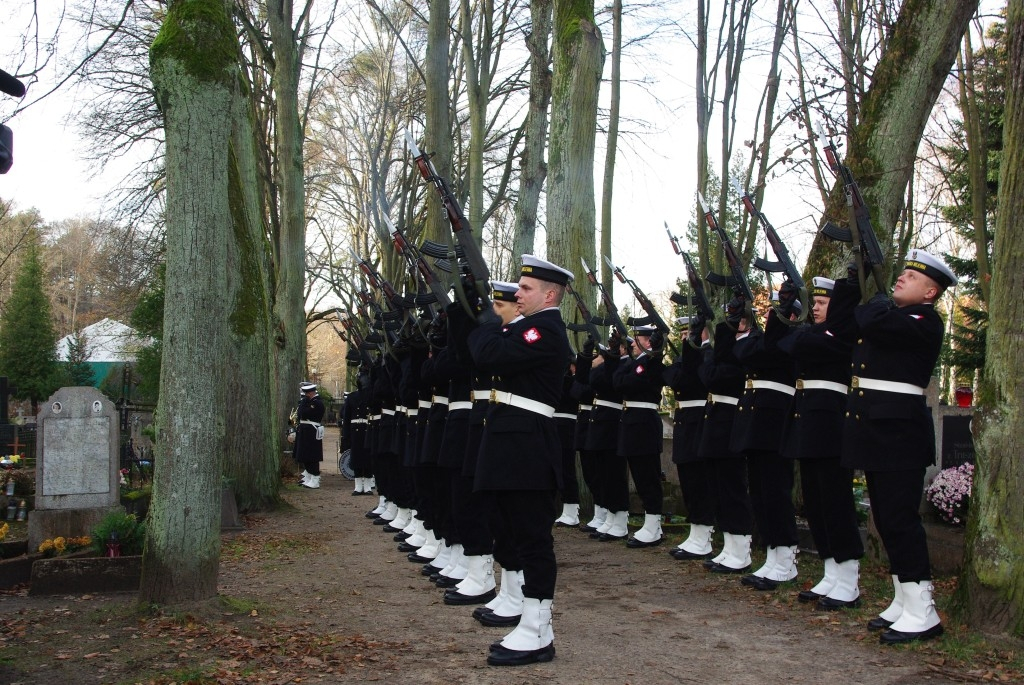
pixel 612 146
pixel 253 449
pixel 477 56
pixel 289 298
pixel 993 575
pixel 977 162
pixel 194 67
pixel 533 167
pixel 437 136
pixel 883 146
pixel 578 59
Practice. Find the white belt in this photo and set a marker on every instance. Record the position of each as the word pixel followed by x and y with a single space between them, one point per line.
pixel 503 397
pixel 822 385
pixel 358 421
pixel 375 417
pixel 411 412
pixel 560 415
pixel 455 406
pixel 606 403
pixel 887 386
pixel 686 404
pixel 387 412
pixel 630 404
pixel 771 385
pixel 722 399
pixel 424 404
pixel 401 409
pixel 586 407
pixel 481 394
pixel 437 399
pixel 309 423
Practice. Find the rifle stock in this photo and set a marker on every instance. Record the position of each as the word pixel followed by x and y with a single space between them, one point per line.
pixel 737 280
pixel 653 317
pixel 612 317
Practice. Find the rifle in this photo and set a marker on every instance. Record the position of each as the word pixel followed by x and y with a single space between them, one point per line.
pixel 478 271
pixel 861 236
pixel 358 347
pixel 378 282
pixel 697 297
pixel 419 266
pixel 611 317
pixel 588 326
pixel 737 280
pixel 785 264
pixel 653 317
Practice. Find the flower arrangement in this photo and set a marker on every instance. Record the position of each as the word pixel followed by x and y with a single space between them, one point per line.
pixel 61 545
pixel 950 493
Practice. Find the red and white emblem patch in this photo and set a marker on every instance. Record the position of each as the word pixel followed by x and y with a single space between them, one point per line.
pixel 531 336
pixel 639 369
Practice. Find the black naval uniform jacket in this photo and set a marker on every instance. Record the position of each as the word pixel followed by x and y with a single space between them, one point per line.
pixel 603 432
pixel 639 380
pixel 528 358
pixel 722 375
pixel 436 378
pixel 456 425
pixel 584 396
pixel 690 392
pixel 387 391
pixel 762 411
pixel 307 448
pixel 353 430
pixel 885 430
pixel 816 422
pixel 408 397
pixel 565 413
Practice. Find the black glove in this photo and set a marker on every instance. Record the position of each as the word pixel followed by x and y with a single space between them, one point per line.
pixel 787 299
pixel 852 274
pixel 734 310
pixel 438 333
pixel 614 340
pixel 588 347
pixel 697 325
pixel 879 298
pixel 657 341
pixel 472 296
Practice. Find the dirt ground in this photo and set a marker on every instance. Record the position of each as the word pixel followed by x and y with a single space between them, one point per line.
pixel 313 593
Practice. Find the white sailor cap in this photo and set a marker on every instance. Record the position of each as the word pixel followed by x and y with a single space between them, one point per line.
pixel 645 330
pixel 504 291
pixel 307 386
pixel 931 266
pixel 535 267
pixel 822 286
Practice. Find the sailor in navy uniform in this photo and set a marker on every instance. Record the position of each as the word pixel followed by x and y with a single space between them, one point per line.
pixel 639 380
pixel 695 473
pixel 353 432
pixel 602 442
pixel 823 378
pixel 889 432
pixel 309 434
pixel 520 453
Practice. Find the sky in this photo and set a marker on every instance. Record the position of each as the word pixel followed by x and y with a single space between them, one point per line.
pixel 655 180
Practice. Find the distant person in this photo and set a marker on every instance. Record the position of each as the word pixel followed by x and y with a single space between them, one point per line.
pixel 309 434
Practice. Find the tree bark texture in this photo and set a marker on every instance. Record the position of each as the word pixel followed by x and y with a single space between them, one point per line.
pixel 533 168
pixel 993 574
pixel 437 138
pixel 578 58
pixel 289 298
pixel 608 186
pixel 194 66
pixel 883 145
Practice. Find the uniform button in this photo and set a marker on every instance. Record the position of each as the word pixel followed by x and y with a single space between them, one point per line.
pixel 847 414
pixel 861 393
pixel 862 367
pixel 860 341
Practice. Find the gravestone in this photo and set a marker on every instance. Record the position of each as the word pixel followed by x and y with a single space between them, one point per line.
pixel 957 441
pixel 76 464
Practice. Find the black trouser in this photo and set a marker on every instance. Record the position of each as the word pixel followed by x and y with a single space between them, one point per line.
pixel 404 485
pixel 383 473
pixel 530 513
pixel 614 481
pixel 646 472
pixel 771 496
pixel 591 475
pixel 426 510
pixel 732 504
pixel 895 499
pixel 570 485
pixel 472 518
pixel 696 480
pixel 505 551
pixel 442 485
pixel 830 509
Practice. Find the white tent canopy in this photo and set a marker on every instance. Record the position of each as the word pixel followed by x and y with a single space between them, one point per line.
pixel 106 341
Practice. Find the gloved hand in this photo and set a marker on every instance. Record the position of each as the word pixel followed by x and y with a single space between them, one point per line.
pixel 472 296
pixel 588 347
pixel 697 325
pixel 734 310
pixel 852 274
pixel 614 340
pixel 879 298
pixel 438 333
pixel 657 341
pixel 787 298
